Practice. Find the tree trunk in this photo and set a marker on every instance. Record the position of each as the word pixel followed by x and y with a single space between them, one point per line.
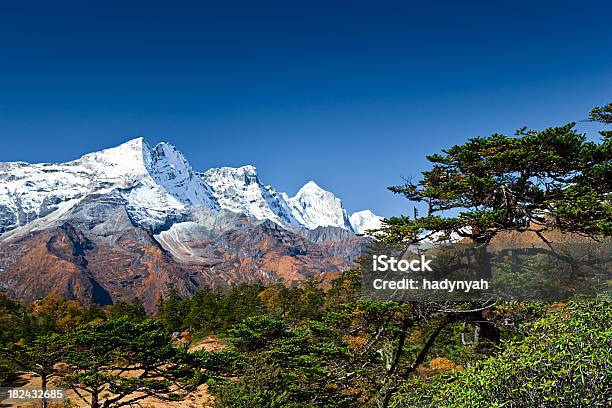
pixel 43 386
pixel 94 399
pixel 487 330
pixel 418 361
pixel 483 261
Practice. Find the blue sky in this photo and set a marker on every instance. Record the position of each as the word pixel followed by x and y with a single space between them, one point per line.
pixel 350 94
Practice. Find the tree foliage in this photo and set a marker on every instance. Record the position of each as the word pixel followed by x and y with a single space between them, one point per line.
pixel 565 361
pixel 100 355
pixel 288 366
pixel 602 114
pixel 535 181
pixel 39 357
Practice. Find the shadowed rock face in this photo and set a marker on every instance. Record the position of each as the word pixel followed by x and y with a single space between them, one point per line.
pixel 96 253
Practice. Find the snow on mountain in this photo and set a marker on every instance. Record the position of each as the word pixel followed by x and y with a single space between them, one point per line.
pixel 169 168
pixel 156 182
pixel 314 207
pixel 159 186
pixel 120 166
pixel 29 191
pixel 239 190
pixel 361 221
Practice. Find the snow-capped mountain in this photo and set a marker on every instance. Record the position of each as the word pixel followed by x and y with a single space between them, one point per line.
pixel 239 190
pixel 133 220
pixel 314 207
pixel 159 186
pixel 365 220
pixel 156 182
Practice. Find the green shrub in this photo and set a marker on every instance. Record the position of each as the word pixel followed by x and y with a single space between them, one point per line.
pixel 565 361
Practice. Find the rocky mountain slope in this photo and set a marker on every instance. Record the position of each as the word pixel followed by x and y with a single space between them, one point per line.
pixel 132 220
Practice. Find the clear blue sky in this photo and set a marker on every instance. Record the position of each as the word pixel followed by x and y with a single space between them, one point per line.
pixel 351 94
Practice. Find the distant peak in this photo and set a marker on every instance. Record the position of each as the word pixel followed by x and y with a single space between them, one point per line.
pixel 249 173
pixel 136 147
pixel 246 175
pixel 125 150
pixel 364 213
pixel 165 146
pixel 127 161
pixel 364 220
pixel 242 169
pixel 248 169
pixel 315 207
pixel 311 186
pixel 137 142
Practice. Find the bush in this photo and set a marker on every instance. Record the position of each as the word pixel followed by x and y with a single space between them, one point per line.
pixel 565 361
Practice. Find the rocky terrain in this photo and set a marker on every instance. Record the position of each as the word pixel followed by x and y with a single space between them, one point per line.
pixel 133 220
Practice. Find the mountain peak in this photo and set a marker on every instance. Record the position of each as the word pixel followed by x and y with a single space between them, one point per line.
pixel 364 220
pixel 158 183
pixel 134 147
pixel 245 175
pixel 171 170
pixel 316 207
pixel 238 189
pixel 163 149
pixel 249 169
pixel 125 161
pixel 137 140
pixel 311 186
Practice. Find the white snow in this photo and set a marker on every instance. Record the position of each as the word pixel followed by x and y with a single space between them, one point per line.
pixel 169 168
pixel 362 221
pixel 159 182
pixel 314 207
pixel 238 189
pixel 122 165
